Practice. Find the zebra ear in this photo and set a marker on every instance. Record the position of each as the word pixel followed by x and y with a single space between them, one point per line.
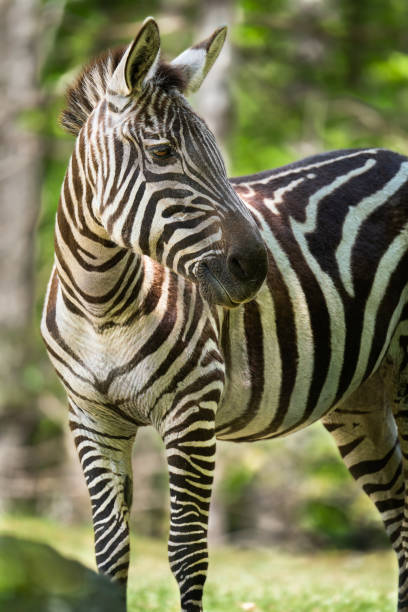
pixel 139 62
pixel 196 61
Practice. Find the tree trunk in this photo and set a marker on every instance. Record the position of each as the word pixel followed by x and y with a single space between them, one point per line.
pixel 20 167
pixel 213 101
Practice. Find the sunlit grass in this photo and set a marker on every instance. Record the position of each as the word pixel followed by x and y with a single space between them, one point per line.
pixel 260 580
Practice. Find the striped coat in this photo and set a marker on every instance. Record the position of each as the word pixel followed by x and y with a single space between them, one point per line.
pixel 209 308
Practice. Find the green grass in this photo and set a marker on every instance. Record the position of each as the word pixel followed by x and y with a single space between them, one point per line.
pixel 258 580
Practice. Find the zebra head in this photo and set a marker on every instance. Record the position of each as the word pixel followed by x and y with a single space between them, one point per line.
pixel 161 186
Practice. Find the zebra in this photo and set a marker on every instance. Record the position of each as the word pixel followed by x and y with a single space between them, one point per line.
pixel 210 308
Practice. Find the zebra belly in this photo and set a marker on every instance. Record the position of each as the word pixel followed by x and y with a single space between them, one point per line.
pixel 254 414
pixel 271 379
pixel 250 413
pixel 242 418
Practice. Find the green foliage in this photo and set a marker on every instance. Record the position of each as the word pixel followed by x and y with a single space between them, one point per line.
pixel 33 378
pixel 317 76
pixel 47 429
pixel 236 481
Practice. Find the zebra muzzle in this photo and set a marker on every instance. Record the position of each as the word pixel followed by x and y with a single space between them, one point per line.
pixel 227 283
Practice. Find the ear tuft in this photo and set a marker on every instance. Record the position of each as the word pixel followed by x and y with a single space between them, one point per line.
pixel 197 61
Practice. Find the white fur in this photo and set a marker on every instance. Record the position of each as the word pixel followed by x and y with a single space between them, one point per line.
pixel 194 61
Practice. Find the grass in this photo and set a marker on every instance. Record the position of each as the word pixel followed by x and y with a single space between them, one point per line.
pixel 260 580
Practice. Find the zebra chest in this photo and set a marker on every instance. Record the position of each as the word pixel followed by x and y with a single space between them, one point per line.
pixel 137 370
pixel 109 369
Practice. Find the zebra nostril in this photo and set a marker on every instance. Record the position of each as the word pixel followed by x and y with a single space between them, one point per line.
pixel 248 266
pixel 236 267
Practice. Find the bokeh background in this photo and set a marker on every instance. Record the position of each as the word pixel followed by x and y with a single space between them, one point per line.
pixel 297 77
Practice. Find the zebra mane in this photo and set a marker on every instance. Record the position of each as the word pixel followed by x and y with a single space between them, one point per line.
pixel 90 87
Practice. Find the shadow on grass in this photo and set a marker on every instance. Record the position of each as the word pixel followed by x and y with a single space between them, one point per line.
pixel 36 578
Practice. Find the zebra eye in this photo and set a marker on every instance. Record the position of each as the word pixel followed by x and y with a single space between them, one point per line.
pixel 161 151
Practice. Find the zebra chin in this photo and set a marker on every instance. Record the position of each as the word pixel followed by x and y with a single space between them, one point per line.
pixel 218 287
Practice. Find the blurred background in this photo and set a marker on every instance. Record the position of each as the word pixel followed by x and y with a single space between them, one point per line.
pixel 297 77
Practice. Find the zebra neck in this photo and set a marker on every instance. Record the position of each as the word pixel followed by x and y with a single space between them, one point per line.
pixel 100 281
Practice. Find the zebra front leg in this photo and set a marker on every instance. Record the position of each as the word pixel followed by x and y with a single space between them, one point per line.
pixel 104 446
pixel 191 460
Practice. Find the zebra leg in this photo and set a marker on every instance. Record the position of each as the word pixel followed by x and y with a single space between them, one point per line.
pixel 104 446
pixel 366 434
pixel 191 460
pixel 401 418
